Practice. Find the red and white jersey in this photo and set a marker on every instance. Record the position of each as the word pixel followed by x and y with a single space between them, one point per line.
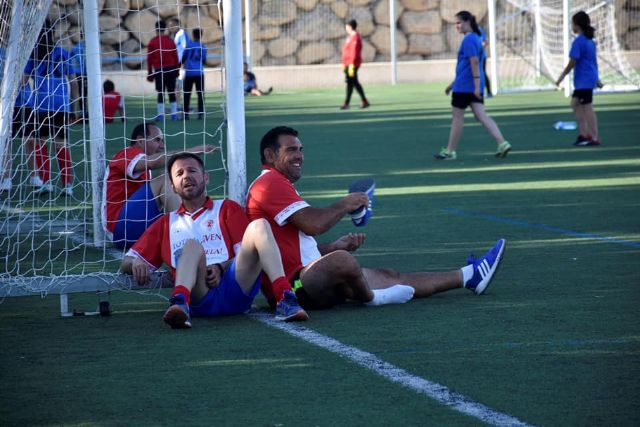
pixel 218 225
pixel 110 103
pixel 273 197
pixel 120 183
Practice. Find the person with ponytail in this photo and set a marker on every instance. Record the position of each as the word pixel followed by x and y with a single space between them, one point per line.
pixel 468 87
pixel 583 60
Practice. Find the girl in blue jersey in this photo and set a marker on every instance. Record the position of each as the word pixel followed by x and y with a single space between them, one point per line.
pixel 583 60
pixel 52 103
pixel 468 87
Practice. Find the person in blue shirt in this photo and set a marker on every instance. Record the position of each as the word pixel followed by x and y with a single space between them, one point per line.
pixel 53 106
pixel 483 60
pixel 193 59
pixel 467 88
pixel 583 62
pixel 79 67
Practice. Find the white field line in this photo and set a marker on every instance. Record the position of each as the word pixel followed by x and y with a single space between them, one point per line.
pixel 435 391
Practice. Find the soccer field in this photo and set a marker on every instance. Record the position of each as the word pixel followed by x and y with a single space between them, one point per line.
pixel 554 340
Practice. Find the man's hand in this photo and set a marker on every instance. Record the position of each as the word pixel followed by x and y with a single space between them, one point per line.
pixel 599 84
pixel 140 271
pixel 350 242
pixel 150 77
pixel 214 275
pixel 353 201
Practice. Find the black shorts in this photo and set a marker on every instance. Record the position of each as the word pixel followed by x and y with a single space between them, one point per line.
pixel 584 96
pixel 463 99
pixel 24 121
pixel 53 124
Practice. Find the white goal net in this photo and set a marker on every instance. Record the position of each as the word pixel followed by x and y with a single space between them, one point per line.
pixel 54 152
pixel 532 40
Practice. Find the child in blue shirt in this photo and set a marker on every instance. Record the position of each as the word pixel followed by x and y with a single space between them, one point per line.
pixel 193 59
pixel 583 60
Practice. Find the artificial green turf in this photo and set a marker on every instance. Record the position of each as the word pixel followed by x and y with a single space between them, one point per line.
pixel 553 342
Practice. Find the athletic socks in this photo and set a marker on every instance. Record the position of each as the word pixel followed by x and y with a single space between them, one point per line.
pixel 64 163
pixel 41 152
pixel 467 274
pixel 160 109
pixel 184 291
pixel 174 108
pixel 396 294
pixel 279 286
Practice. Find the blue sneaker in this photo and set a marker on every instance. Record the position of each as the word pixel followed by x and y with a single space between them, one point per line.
pixel 288 309
pixel 485 267
pixel 360 217
pixel 178 315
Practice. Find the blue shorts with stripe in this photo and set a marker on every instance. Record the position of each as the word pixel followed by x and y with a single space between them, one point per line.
pixel 227 298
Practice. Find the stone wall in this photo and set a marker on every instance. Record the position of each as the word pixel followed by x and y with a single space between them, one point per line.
pixel 299 32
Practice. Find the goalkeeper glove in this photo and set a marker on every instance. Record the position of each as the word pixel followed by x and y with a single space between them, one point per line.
pixel 351 71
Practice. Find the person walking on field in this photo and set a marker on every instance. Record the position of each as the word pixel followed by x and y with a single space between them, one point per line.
pixel 468 88
pixel 583 61
pixel 351 61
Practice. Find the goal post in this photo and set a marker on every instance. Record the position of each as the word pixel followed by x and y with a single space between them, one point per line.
pixel 530 41
pixel 53 242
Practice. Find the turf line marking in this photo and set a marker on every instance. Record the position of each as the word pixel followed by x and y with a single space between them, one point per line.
pixel 584 235
pixel 438 392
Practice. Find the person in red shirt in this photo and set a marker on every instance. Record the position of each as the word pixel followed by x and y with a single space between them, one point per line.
pixel 215 254
pixel 351 61
pixel 112 102
pixel 326 274
pixel 134 199
pixel 163 68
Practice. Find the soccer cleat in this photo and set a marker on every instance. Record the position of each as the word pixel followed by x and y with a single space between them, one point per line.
pixel 178 315
pixel 67 190
pixel 158 118
pixel 445 154
pixel 587 141
pixel 503 149
pixel 485 267
pixel 344 107
pixel 365 104
pixel 360 217
pixel 5 185
pixel 36 181
pixel 288 309
pixel 268 92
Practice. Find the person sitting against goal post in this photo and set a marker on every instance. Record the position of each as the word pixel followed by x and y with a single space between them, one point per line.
pixel 134 199
pixel 215 254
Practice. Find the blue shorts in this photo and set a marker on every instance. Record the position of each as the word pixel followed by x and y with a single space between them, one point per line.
pixel 227 298
pixel 136 215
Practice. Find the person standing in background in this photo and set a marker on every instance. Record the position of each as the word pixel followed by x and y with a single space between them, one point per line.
pixel 162 66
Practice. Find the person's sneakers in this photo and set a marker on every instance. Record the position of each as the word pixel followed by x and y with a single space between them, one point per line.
pixel 288 309
pixel 445 154
pixel 485 267
pixel 586 141
pixel 36 181
pixel 158 118
pixel 344 107
pixel 503 149
pixel 67 190
pixel 269 91
pixel 365 104
pixel 178 315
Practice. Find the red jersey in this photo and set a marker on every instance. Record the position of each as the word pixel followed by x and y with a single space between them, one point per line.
pixel 352 50
pixel 273 197
pixel 121 182
pixel 218 225
pixel 162 53
pixel 110 103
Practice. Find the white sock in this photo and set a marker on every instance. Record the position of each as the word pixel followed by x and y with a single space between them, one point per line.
pixel 174 107
pixel 396 294
pixel 161 109
pixel 467 274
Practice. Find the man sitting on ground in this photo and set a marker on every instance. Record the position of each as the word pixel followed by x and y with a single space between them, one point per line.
pixel 215 254
pixel 326 274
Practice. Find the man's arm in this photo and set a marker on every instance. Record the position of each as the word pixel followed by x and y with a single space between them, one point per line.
pixel 350 243
pixel 314 221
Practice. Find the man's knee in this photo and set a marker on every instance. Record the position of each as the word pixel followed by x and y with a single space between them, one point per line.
pixel 343 265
